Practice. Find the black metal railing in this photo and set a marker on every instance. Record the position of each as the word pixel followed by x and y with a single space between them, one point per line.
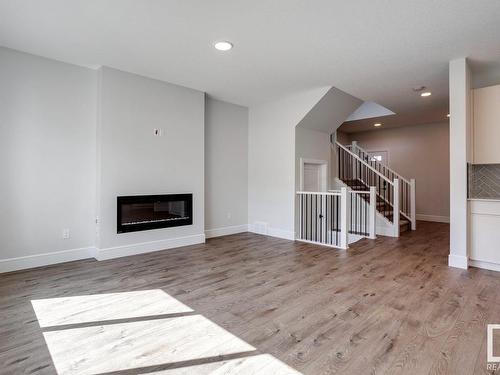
pixel 359 213
pixel 404 184
pixel 359 176
pixel 320 218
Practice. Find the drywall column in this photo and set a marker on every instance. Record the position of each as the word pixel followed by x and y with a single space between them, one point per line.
pixel 460 125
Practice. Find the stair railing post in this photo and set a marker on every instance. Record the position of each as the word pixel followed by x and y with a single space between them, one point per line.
pixel 344 218
pixel 413 208
pixel 395 208
pixel 354 150
pixel 373 212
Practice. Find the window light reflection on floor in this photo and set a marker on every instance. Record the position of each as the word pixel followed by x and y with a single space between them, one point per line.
pixel 143 330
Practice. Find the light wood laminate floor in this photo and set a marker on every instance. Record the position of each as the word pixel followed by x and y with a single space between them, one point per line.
pixel 250 304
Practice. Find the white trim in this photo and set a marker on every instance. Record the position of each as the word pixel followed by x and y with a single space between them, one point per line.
pixel 437 219
pixel 281 233
pixel 274 232
pixel 457 261
pixel 387 231
pixel 320 244
pixel 484 265
pixel 352 238
pixel 46 259
pixel 373 213
pixel 413 204
pixel 147 247
pixel 324 172
pixel 329 192
pixel 225 231
pixel 344 218
pixel 395 208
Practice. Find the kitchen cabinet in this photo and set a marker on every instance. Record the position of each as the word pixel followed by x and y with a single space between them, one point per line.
pixel 486 125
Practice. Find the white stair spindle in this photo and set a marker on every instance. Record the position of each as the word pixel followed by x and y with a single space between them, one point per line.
pixel 344 218
pixel 413 209
pixel 373 212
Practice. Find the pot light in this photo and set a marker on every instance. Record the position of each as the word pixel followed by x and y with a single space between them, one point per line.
pixel 427 93
pixel 223 45
pixel 377 124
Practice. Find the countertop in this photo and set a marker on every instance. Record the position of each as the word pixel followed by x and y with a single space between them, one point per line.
pixel 484 199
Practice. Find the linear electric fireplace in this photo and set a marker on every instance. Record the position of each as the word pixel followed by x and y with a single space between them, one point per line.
pixel 143 212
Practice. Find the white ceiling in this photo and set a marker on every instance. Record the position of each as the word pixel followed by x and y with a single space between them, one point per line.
pixel 374 50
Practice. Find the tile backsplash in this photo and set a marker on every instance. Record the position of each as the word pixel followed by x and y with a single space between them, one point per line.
pixel 484 181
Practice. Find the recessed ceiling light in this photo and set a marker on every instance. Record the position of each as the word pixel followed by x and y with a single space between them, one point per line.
pixel 223 45
pixel 377 124
pixel 427 93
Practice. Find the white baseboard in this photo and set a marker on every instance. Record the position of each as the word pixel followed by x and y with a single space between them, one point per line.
pixel 437 219
pixel 485 265
pixel 458 261
pixel 39 260
pixel 225 231
pixel 387 231
pixel 354 238
pixel 281 233
pixel 147 247
pixel 274 232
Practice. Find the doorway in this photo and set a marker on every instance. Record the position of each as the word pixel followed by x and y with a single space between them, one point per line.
pixel 380 156
pixel 313 176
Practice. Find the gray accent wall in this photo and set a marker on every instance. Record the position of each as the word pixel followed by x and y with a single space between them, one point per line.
pixel 133 161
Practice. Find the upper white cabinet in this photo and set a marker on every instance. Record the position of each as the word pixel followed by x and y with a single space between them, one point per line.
pixel 486 125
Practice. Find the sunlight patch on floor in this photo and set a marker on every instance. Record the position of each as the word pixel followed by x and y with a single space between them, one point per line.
pixel 113 347
pixel 149 341
pixel 261 364
pixel 101 307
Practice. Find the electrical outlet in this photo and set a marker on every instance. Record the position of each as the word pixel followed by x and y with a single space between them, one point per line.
pixel 158 132
pixel 65 233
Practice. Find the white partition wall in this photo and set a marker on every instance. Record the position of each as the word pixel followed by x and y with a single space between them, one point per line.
pixel 460 137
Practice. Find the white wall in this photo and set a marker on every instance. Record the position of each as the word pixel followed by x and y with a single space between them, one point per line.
pixel 421 152
pixel 47 156
pixel 460 154
pixel 133 161
pixel 226 168
pixel 271 160
pixel 312 144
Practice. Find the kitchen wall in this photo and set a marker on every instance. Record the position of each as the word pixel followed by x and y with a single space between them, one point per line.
pixel 420 152
pixel 484 181
pixel 226 168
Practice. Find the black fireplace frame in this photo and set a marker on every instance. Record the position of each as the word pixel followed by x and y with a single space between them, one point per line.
pixel 188 198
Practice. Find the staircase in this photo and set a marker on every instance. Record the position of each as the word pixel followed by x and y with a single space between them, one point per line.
pixel 395 200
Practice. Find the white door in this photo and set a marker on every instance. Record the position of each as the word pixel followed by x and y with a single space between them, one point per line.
pixel 312 177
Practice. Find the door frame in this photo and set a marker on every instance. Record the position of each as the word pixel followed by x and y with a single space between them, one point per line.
pixel 324 172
